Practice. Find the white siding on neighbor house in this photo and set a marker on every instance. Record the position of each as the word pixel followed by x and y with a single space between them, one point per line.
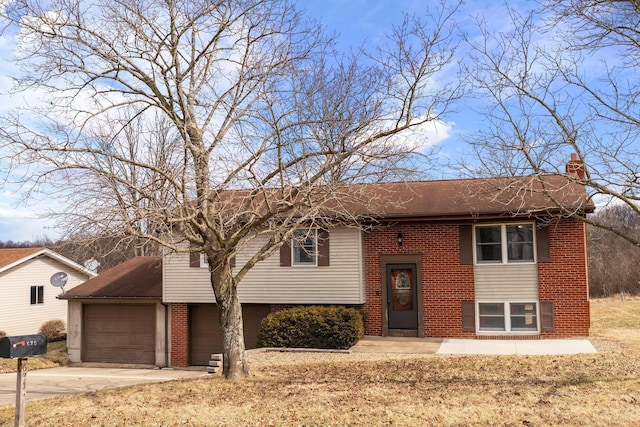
pixel 506 282
pixel 342 282
pixel 17 315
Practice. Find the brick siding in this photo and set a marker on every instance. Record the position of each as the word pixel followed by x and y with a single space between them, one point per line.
pixel 445 283
pixel 564 280
pixel 179 335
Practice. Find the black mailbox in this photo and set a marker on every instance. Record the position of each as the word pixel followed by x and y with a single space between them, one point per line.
pixel 23 346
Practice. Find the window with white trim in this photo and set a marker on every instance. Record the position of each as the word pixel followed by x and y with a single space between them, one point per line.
pixel 204 262
pixel 504 243
pixel 37 295
pixel 304 248
pixel 508 317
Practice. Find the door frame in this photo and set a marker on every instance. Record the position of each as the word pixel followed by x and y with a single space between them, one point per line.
pixel 402 259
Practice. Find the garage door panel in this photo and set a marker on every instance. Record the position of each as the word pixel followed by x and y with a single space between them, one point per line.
pixel 119 333
pixel 205 335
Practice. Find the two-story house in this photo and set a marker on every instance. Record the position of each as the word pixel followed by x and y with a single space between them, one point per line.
pixel 477 258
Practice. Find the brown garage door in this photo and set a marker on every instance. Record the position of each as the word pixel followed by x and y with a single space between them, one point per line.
pixel 118 333
pixel 205 337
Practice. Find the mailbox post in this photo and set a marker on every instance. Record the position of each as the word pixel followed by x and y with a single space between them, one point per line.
pixel 21 348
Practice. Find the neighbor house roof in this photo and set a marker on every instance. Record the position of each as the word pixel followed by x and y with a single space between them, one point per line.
pixel 137 278
pixel 10 258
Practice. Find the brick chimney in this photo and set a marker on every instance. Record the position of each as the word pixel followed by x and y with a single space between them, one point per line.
pixel 575 167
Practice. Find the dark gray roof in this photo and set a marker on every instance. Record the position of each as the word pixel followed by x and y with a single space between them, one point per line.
pixel 139 277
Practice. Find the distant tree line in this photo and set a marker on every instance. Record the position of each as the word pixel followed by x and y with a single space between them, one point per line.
pixel 614 262
pixel 108 251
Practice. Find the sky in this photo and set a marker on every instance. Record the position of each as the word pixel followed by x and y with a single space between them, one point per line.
pixel 355 22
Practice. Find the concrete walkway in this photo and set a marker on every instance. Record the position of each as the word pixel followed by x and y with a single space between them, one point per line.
pixel 370 344
pixel 524 347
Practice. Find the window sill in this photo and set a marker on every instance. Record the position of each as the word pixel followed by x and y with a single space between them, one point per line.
pixel 507 333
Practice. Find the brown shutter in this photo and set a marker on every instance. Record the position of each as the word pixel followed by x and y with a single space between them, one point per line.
pixel 546 316
pixel 466 245
pixel 194 259
pixel 468 316
pixel 232 262
pixel 285 255
pixel 323 248
pixel 543 250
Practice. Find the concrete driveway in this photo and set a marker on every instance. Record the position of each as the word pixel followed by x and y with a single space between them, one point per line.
pixel 47 383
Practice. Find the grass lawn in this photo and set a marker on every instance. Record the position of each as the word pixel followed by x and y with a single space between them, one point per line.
pixel 363 389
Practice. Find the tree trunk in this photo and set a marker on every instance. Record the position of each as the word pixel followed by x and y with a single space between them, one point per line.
pixel 230 312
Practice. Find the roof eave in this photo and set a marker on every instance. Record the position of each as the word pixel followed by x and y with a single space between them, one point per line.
pixel 78 297
pixel 475 216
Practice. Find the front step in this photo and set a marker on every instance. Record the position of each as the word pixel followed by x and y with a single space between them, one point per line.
pixel 215 364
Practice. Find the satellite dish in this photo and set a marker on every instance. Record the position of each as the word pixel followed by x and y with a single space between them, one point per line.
pixel 92 265
pixel 59 279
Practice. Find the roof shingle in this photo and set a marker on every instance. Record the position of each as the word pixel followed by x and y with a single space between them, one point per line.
pixel 139 277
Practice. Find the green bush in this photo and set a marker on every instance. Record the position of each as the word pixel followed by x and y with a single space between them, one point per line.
pixel 312 327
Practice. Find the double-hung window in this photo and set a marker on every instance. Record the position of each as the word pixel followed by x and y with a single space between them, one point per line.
pixel 305 248
pixel 508 317
pixel 37 295
pixel 504 243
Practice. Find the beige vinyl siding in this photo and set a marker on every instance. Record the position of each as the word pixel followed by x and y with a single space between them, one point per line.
pixel 17 315
pixel 267 283
pixel 506 282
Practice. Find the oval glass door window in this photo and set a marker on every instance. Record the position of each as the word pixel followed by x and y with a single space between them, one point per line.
pixel 402 295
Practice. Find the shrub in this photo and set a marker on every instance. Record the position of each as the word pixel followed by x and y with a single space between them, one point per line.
pixel 3 334
pixel 54 330
pixel 312 327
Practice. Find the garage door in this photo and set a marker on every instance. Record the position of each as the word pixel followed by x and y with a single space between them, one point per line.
pixel 204 328
pixel 118 333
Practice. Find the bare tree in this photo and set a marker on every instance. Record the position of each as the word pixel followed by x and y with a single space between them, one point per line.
pixel 263 119
pixel 563 80
pixel 607 250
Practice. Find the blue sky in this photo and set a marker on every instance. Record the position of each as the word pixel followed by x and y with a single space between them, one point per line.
pixel 356 22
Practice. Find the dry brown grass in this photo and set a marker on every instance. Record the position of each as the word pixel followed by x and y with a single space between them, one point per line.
pixel 56 356
pixel 373 389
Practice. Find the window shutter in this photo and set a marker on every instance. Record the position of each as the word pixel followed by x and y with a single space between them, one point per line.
pixel 232 262
pixel 194 259
pixel 285 255
pixel 466 245
pixel 468 316
pixel 323 248
pixel 546 316
pixel 543 250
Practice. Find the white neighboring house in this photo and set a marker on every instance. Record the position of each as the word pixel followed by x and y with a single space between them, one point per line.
pixel 27 298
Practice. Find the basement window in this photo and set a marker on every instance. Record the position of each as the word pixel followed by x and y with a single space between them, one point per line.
pixel 508 317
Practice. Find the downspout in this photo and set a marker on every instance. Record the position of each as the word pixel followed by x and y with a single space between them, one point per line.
pixel 166 335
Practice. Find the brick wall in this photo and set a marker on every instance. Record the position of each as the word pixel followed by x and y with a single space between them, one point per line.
pixel 444 282
pixel 564 280
pixel 179 335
